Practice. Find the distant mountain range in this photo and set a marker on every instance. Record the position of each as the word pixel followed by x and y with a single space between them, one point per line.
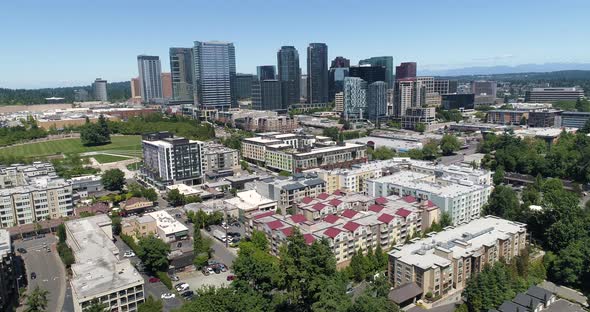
pixel 495 70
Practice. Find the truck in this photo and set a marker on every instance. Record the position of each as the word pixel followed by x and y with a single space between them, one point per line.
pixel 219 235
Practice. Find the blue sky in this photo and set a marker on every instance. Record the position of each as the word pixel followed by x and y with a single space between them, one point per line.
pixel 61 43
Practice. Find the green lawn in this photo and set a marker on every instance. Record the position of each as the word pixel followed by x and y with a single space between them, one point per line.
pixel 127 145
pixel 103 159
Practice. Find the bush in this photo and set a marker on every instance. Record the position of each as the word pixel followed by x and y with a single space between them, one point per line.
pixel 130 241
pixel 65 253
pixel 164 278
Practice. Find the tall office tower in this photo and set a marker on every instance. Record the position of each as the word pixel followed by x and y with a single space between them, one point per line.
pixel 215 74
pixel 355 98
pixel 244 85
pixel 376 100
pixel 303 87
pixel 405 70
pixel 339 62
pixel 181 68
pixel 487 88
pixel 336 80
pixel 99 90
pixel 266 72
pixel 289 75
pixel 368 73
pixel 383 61
pixel 135 87
pixel 443 86
pixel 150 80
pixel 317 73
pixel 339 102
pixel 408 93
pixel 266 95
pixel 166 85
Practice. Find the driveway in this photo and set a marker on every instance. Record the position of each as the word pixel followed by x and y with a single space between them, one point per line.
pixel 197 280
pixel 48 267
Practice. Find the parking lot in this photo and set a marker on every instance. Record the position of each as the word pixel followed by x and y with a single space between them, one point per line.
pixel 198 280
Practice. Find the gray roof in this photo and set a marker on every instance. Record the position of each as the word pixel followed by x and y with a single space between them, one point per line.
pixel 539 293
pixel 316 181
pixel 527 301
pixel 509 306
pixel 562 305
pixel 404 293
pixel 293 186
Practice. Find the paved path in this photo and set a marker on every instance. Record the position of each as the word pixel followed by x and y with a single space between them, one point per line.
pixel 121 165
pixel 48 267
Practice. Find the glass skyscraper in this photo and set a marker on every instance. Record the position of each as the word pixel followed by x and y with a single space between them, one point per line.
pixel 150 78
pixel 215 74
pixel 266 72
pixel 289 75
pixel 383 61
pixel 317 73
pixel 181 71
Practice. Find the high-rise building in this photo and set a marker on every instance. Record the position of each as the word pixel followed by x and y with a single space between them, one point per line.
pixel 368 73
pixel 8 274
pixel 181 68
pixel 99 90
pixel 339 102
pixel 407 93
pixel 266 95
pixel 355 98
pixel 405 70
pixel 135 87
pixel 266 72
pixel 244 85
pixel 445 86
pixel 487 88
pixel 150 80
pixel 289 75
pixel 376 100
pixel 317 73
pixel 383 61
pixel 171 160
pixel 340 62
pixel 303 86
pixel 215 74
pixel 166 85
pixel 336 80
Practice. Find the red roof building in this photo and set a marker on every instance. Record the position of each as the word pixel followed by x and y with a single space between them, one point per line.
pixel 381 200
pixel 409 199
pixel 307 200
pixel 338 192
pixel 323 196
pixel 351 226
pixel 318 206
pixel 275 224
pixel 263 215
pixel 332 232
pixel 298 218
pixel 403 212
pixel 331 218
pixel 375 208
pixel 287 231
pixel 335 202
pixel 385 218
pixel 349 213
pixel 309 239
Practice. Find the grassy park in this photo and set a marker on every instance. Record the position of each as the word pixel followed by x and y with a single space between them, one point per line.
pixel 128 145
pixel 104 158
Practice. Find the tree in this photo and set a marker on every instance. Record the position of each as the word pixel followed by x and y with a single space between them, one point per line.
pixel 449 144
pixel 445 220
pixel 175 198
pixel 61 233
pixel 382 153
pixel 95 134
pixel 37 300
pixel 430 150
pixel 153 252
pixel 499 175
pixel 503 203
pixel 151 305
pixel 331 132
pixel 259 240
pixel 368 303
pixel 96 306
pixel 116 224
pixel 103 126
pixel 284 173
pixel 113 179
pixel 420 127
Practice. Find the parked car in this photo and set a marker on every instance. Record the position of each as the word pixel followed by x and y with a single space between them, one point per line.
pixel 231 278
pixel 33 275
pixel 129 254
pixel 188 294
pixel 174 278
pixel 21 250
pixel 181 287
pixel 208 228
pixel 179 244
pixel 205 271
pixel 47 249
pixel 154 280
pixel 217 270
pixel 210 270
pixel 40 236
pixel 168 296
pixel 222 267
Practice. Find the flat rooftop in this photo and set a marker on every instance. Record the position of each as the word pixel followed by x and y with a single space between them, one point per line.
pixel 463 240
pixel 166 223
pixel 97 270
pixel 330 149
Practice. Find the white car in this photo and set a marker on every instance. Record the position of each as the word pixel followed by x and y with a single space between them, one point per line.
pixel 129 254
pixel 168 296
pixel 210 270
pixel 182 287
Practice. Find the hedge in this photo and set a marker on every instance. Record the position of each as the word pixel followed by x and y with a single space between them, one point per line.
pixel 164 278
pixel 130 241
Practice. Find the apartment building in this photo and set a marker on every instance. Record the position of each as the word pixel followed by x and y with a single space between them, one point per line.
pixel 217 158
pixel 507 117
pixel 257 120
pixel 288 191
pixel 136 226
pixel 8 276
pixel 100 273
pixel 350 222
pixel 171 160
pixel 33 193
pixel 444 261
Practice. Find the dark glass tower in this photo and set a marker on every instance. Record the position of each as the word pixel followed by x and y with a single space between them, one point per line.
pixel 383 61
pixel 340 61
pixel 181 72
pixel 317 73
pixel 405 70
pixel 266 72
pixel 369 74
pixel 215 74
pixel 289 75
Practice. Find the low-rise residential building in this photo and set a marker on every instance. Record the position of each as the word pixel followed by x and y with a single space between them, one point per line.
pixel 136 205
pixel 418 116
pixel 444 261
pixel 257 120
pixel 136 226
pixel 100 273
pixel 350 222
pixel 288 191
pixel 86 185
pixel 295 152
pixel 33 193
pixel 9 292
pixel 538 299
pixel 168 228
pixel 218 159
pixel 507 116
pixel 251 200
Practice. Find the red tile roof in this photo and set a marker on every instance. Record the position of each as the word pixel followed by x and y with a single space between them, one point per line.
pixel 331 218
pixel 318 206
pixel 273 225
pixel 430 204
pixel 385 218
pixel 323 196
pixel 287 231
pixel 309 239
pixel 403 212
pixel 298 218
pixel 381 200
pixel 375 208
pixel 338 192
pixel 264 214
pixel 335 202
pixel 307 200
pixel 409 199
pixel 351 226
pixel 332 232
pixel 349 213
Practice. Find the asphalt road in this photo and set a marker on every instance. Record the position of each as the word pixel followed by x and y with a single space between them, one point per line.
pixel 48 267
pixel 459 155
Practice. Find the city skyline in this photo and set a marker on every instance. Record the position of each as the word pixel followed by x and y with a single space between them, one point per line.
pixel 77 51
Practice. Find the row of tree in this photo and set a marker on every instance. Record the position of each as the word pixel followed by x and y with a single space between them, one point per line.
pixel 448 145
pixel 93 134
pixel 27 131
pixel 117 91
